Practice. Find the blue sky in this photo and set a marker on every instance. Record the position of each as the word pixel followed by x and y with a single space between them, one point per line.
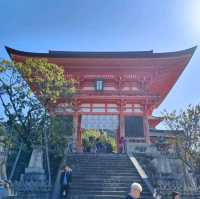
pixel 108 25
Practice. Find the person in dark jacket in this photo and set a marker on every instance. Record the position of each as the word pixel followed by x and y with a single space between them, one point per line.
pixel 175 195
pixel 135 192
pixel 65 180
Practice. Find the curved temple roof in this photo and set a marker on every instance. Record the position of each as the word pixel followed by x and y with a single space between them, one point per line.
pixel 84 54
pixel 160 70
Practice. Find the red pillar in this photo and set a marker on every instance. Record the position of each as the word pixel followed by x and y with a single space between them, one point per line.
pixel 121 125
pixel 146 129
pixel 77 133
pixel 121 130
pixel 79 139
pixel 75 127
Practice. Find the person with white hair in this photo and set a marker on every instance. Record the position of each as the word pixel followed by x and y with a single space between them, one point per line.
pixel 135 192
pixel 175 195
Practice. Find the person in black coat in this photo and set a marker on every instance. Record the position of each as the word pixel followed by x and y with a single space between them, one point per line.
pixel 65 180
pixel 135 192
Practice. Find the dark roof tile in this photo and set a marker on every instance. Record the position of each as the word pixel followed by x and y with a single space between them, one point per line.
pixel 84 54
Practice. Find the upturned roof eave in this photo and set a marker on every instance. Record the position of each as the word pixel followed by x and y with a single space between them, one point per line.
pixel 86 54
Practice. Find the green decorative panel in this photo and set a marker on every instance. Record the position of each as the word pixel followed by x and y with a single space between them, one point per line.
pixel 134 126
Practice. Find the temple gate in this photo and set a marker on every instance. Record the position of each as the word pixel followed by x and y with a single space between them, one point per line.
pixel 116 90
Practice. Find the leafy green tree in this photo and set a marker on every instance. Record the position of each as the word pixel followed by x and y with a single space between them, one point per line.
pixel 49 83
pixel 188 122
pixel 27 91
pixel 61 131
pixel 21 109
pixel 103 138
pixel 47 80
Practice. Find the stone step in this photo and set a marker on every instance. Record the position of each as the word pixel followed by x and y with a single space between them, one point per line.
pixel 106 173
pixel 102 167
pixel 96 162
pixel 76 158
pixel 97 159
pixel 90 163
pixel 108 180
pixel 102 188
pixel 106 177
pixel 90 184
pixel 106 166
pixel 98 155
pixel 106 184
pixel 104 196
pixel 100 170
pixel 103 192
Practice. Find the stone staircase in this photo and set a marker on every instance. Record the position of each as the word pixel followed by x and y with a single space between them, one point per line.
pixel 103 176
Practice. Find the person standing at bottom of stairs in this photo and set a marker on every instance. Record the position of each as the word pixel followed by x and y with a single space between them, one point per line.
pixel 65 180
pixel 135 192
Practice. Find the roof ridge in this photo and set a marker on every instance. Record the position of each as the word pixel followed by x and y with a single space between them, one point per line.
pixel 102 54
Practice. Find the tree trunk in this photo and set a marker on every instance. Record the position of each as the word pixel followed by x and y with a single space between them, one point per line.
pixel 47 151
pixel 16 161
